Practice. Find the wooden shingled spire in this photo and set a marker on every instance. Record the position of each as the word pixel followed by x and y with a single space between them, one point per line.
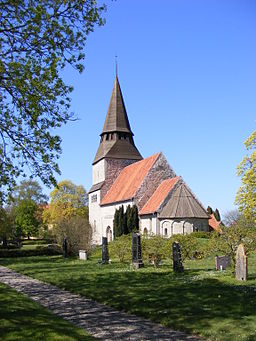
pixel 117 137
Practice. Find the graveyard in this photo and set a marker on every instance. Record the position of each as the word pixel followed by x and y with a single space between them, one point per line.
pixel 197 298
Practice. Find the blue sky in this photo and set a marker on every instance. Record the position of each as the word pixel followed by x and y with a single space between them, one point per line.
pixel 187 71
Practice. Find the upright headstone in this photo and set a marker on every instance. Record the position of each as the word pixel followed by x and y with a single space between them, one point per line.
pixel 83 254
pixel 136 251
pixel 222 262
pixel 105 255
pixel 64 247
pixel 241 264
pixel 177 261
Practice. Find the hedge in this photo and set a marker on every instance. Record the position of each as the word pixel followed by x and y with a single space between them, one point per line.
pixel 28 253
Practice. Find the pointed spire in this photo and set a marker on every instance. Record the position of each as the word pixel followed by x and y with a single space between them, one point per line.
pixel 117 137
pixel 116 119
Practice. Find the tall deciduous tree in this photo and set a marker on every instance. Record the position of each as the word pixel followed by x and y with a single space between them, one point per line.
pixel 26 220
pixel 246 195
pixel 29 190
pixel 67 200
pixel 37 40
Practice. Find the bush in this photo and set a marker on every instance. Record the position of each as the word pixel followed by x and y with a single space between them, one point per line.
pixel 154 248
pixel 77 231
pixel 188 245
pixel 121 248
pixel 201 234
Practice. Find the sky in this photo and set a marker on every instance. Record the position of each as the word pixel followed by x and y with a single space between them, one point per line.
pixel 187 71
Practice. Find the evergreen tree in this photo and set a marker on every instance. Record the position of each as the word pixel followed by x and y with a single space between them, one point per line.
pixel 217 215
pixel 209 210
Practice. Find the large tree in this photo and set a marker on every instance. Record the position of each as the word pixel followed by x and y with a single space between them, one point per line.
pixel 246 195
pixel 27 220
pixel 66 201
pixel 29 190
pixel 37 40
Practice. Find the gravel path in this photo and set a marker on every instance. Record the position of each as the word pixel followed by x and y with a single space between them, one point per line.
pixel 99 320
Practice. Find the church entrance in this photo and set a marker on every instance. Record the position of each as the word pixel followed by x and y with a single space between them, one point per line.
pixel 109 234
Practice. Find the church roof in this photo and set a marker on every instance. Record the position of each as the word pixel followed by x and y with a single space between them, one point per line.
pixel 213 223
pixel 116 119
pixel 183 204
pixel 159 196
pixel 117 137
pixel 129 181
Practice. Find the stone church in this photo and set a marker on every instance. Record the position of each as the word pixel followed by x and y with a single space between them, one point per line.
pixel 121 176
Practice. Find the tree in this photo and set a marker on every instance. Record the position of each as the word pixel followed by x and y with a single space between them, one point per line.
pixel 37 40
pixel 242 231
pixel 67 200
pixel 27 221
pixel 209 210
pixel 29 190
pixel 154 248
pixel 231 217
pixel 5 226
pixel 122 248
pixel 217 215
pixel 125 222
pixel 77 231
pixel 246 195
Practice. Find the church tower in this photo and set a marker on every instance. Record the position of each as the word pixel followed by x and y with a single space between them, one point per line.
pixel 116 149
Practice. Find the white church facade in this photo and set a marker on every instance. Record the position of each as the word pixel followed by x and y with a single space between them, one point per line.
pixel 121 176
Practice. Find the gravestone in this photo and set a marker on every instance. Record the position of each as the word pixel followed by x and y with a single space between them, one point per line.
pixel 222 262
pixel 83 254
pixel 241 264
pixel 177 261
pixel 64 248
pixel 105 255
pixel 136 251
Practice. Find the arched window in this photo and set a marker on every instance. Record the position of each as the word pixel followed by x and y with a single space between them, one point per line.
pixel 145 231
pixel 166 231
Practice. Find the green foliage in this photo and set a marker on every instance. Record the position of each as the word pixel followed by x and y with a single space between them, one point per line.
pixel 38 39
pixel 246 195
pixel 67 200
pixel 27 222
pixel 154 249
pixel 209 210
pixel 39 251
pixel 121 248
pixel 188 245
pixel 28 190
pixel 126 222
pixel 227 242
pixel 217 215
pixel 77 231
pixel 201 234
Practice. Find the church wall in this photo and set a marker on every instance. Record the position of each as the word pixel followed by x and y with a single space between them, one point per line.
pixel 159 172
pixel 95 216
pixel 169 227
pixel 148 224
pixel 113 168
pixel 98 172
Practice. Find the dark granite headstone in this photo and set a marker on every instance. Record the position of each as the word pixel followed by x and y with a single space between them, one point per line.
pixel 136 251
pixel 241 264
pixel 64 248
pixel 177 261
pixel 105 255
pixel 222 262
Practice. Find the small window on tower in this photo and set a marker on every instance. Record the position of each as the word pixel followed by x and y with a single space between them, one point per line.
pixel 94 198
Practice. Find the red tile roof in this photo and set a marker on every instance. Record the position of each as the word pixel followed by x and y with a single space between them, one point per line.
pixel 129 181
pixel 213 223
pixel 158 196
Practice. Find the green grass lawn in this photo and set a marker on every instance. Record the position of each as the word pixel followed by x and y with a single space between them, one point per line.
pixel 23 319
pixel 200 301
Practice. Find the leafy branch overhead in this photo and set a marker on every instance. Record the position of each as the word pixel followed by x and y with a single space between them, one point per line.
pixel 37 40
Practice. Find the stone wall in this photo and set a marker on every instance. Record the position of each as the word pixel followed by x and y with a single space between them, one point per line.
pixel 113 168
pixel 160 171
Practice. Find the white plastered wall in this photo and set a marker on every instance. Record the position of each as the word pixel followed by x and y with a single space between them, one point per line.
pixel 98 172
pixel 169 227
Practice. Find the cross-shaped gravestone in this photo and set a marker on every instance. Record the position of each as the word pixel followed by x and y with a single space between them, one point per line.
pixel 177 261
pixel 136 251
pixel 105 255
pixel 241 264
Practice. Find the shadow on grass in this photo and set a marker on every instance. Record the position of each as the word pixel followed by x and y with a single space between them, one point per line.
pixel 198 301
pixel 23 319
